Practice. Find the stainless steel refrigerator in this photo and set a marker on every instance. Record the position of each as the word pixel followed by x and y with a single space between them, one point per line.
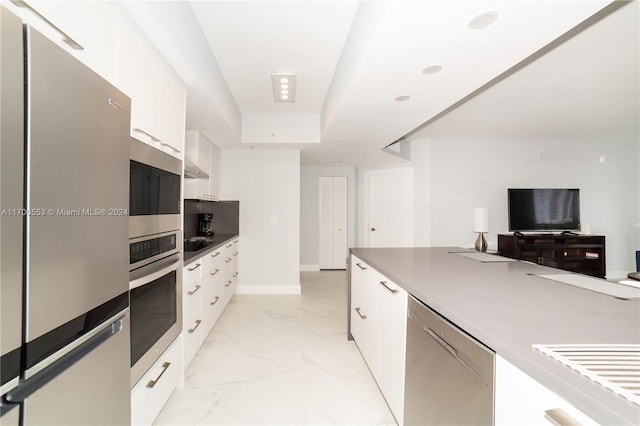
pixel 64 303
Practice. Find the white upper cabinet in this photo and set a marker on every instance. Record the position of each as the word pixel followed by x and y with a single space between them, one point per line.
pixel 172 110
pixel 113 45
pixel 158 96
pixel 138 75
pixel 205 155
pixel 92 25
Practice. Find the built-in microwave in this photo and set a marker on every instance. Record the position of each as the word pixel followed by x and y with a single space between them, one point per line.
pixel 154 190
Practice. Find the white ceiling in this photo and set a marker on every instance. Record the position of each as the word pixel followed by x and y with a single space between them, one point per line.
pixel 353 58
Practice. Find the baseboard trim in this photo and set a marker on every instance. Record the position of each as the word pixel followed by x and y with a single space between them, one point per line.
pixel 616 275
pixel 309 268
pixel 269 289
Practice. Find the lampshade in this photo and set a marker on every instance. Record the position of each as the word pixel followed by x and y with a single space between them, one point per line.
pixel 480 220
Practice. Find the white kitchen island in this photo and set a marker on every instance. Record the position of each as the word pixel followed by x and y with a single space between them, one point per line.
pixel 505 305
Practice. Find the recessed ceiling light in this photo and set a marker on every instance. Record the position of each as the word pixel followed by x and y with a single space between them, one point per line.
pixel 284 87
pixel 483 20
pixel 402 98
pixel 432 69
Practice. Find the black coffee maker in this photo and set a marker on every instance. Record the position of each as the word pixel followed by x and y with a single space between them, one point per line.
pixel 205 227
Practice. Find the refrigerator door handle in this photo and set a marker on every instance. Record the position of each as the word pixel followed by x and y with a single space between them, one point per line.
pixel 40 379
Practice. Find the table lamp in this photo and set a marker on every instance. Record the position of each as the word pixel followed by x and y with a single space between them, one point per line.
pixel 481 225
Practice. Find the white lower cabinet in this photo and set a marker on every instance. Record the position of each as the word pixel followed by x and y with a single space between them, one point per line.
pixel 520 399
pixel 213 295
pixel 192 319
pixel 379 327
pixel 228 272
pixel 378 315
pixel 208 285
pixel 150 394
pixel 392 305
pixel 363 314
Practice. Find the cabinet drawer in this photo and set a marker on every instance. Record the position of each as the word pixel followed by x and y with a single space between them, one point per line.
pixel 152 391
pixel 191 273
pixel 212 261
pixel 520 399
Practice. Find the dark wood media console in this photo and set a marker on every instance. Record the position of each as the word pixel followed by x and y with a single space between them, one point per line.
pixel 584 254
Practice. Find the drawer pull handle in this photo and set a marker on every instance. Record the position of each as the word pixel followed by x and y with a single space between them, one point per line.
pixel 391 290
pixel 235 274
pixel 198 322
pixel 197 265
pixel 153 138
pixel 215 300
pixel 228 260
pixel 152 383
pixel 194 290
pixel 228 283
pixel 236 242
pixel 215 272
pixel 216 254
pixel 71 42
pixel 229 245
pixel 235 254
pixel 453 352
pixel 364 268
pixel 360 313
pixel 561 417
pixel 176 150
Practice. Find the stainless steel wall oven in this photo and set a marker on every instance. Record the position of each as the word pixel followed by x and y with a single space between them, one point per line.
pixel 155 298
pixel 155 255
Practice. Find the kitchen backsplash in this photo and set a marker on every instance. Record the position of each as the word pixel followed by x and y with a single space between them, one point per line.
pixel 226 216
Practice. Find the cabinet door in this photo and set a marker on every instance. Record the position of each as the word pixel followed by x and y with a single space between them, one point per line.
pixel 391 302
pixel 228 272
pixel 90 24
pixel 154 389
pixel 213 296
pixel 215 302
pixel 191 273
pixel 138 67
pixel 172 110
pixel 214 172
pixel 364 324
pixel 520 399
pixel 235 261
pixel 192 320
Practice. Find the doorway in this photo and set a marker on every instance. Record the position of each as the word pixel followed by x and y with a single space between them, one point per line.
pixel 332 253
pixel 389 207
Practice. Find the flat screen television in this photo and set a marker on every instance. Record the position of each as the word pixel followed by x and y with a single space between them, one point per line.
pixel 544 209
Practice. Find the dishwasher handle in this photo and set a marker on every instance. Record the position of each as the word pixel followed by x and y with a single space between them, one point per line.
pixel 445 345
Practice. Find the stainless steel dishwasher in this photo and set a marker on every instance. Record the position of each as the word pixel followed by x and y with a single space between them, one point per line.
pixel 449 375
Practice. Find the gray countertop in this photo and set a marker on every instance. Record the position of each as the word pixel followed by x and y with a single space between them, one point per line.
pixel 218 240
pixel 508 309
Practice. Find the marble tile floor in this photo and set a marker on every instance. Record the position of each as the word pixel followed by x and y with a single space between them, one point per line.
pixel 280 359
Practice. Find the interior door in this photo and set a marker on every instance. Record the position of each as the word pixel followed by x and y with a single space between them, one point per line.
pixel 333 222
pixel 389 207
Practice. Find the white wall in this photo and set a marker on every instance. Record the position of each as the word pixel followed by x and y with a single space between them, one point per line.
pixel 454 176
pixel 309 208
pixel 267 184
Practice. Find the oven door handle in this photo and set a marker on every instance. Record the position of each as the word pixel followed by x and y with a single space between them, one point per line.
pixel 155 274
